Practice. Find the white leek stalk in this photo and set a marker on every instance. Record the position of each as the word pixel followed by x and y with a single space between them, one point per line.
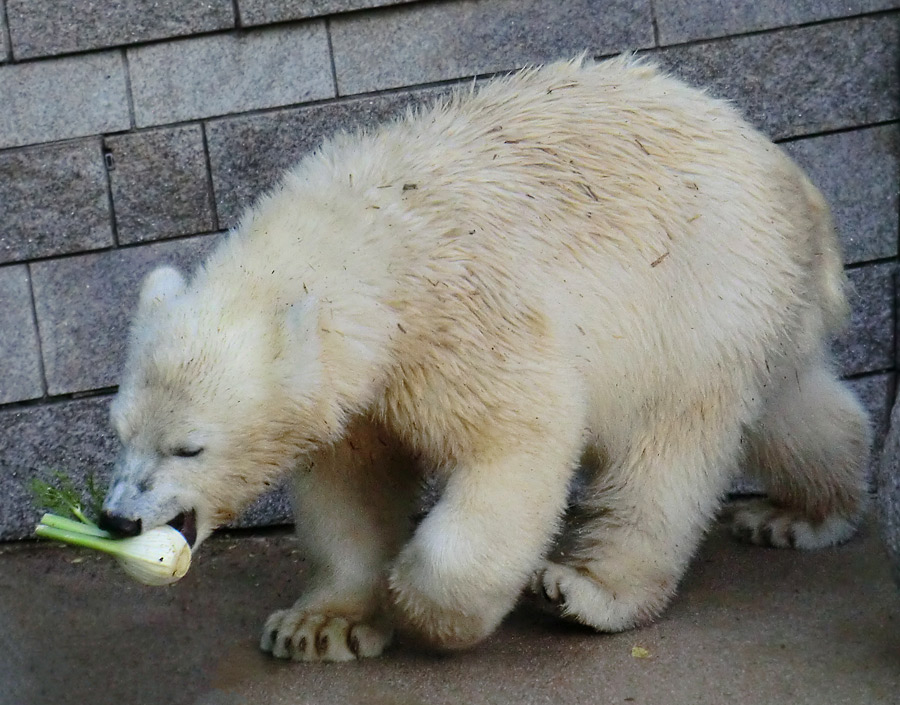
pixel 160 556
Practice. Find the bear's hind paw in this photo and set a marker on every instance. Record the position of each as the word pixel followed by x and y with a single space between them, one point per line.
pixel 579 595
pixel 763 523
pixel 310 636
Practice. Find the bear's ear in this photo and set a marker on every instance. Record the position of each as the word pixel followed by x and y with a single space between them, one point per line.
pixel 162 284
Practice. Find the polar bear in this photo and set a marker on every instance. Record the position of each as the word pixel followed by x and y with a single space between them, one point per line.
pixel 585 264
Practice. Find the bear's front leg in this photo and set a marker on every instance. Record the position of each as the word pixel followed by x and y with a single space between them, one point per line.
pixel 352 504
pixel 464 568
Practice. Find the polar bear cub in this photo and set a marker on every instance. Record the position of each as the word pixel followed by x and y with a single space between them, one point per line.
pixel 583 264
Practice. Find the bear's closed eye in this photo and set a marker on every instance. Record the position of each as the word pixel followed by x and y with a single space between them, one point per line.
pixel 185 452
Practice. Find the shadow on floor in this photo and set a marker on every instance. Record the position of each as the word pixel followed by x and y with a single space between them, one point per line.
pixel 750 625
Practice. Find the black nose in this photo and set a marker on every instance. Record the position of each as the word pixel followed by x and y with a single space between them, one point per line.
pixel 120 526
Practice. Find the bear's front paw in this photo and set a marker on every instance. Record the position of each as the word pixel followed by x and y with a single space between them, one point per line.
pixel 428 611
pixel 314 636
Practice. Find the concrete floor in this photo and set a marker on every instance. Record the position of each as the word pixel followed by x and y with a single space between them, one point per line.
pixel 750 626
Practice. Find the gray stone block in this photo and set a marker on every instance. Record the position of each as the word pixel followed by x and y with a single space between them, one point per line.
pixel 73 437
pixel 227 73
pixel 746 485
pixel 271 509
pixel 255 12
pixel 248 154
pixel 4 36
pixel 686 20
pixel 875 392
pixel 44 101
pixel 160 184
pixel 85 303
pixel 887 493
pixel 805 80
pixel 20 355
pixel 45 27
pixel 437 41
pixel 859 174
pixel 867 345
pixel 53 200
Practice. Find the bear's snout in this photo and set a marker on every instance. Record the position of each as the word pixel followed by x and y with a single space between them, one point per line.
pixel 119 525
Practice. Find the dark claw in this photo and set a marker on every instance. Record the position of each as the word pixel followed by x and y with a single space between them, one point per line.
pixel 792 537
pixel 550 600
pixel 301 645
pixel 546 594
pixel 766 536
pixel 322 644
pixel 353 643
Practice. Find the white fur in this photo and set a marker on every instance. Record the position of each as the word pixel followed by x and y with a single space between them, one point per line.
pixel 580 260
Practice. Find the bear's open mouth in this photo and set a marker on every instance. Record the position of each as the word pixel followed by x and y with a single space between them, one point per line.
pixel 186 523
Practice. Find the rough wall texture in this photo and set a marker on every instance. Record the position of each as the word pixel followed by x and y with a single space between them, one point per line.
pixel 132 132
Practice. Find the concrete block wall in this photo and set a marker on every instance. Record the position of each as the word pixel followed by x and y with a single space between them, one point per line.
pixel 131 133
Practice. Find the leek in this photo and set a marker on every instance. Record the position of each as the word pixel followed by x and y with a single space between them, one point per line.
pixel 160 556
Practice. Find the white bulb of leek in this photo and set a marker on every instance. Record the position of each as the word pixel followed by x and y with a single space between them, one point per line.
pixel 160 556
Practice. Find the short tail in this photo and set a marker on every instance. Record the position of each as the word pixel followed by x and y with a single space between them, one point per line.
pixel 831 281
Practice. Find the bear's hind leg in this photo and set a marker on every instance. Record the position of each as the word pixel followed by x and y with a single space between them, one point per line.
pixel 353 506
pixel 619 561
pixel 810 449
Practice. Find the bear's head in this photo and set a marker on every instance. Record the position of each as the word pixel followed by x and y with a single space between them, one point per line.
pixel 209 410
